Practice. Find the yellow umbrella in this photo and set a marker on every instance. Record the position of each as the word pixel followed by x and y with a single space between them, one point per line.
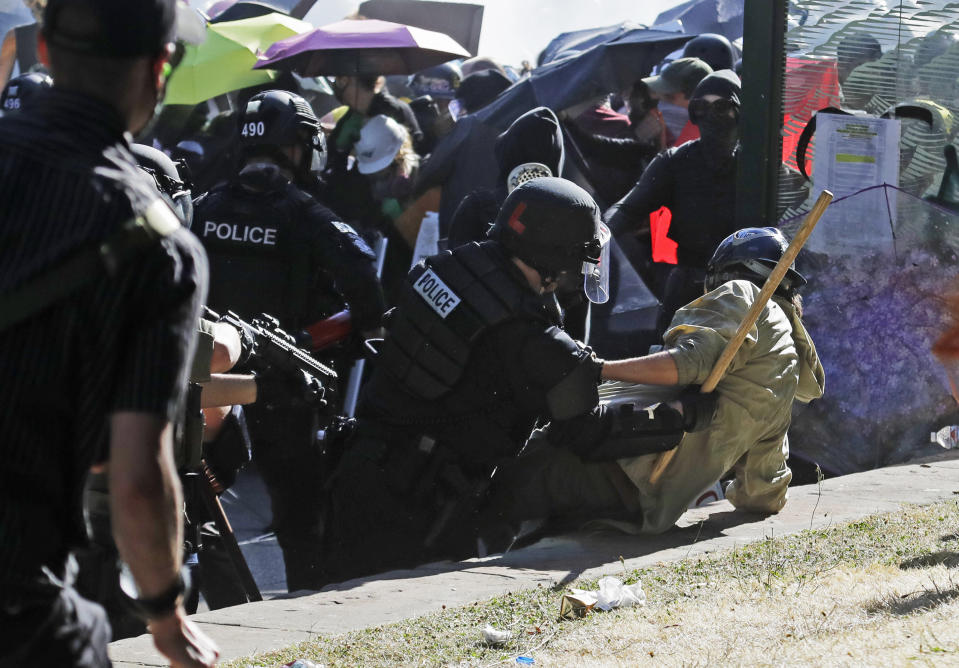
pixel 224 62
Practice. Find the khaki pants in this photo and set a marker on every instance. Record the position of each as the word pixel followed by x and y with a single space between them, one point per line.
pixel 551 483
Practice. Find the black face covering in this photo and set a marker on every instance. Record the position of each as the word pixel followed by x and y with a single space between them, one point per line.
pixel 718 119
pixel 719 138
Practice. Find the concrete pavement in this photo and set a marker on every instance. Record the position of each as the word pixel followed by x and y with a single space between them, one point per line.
pixel 257 627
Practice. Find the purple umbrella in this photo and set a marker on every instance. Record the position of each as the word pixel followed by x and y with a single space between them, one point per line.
pixel 358 47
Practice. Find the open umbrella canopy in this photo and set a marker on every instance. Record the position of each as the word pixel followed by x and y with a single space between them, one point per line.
pixel 724 17
pixel 224 62
pixel 358 47
pixel 603 68
pixel 570 43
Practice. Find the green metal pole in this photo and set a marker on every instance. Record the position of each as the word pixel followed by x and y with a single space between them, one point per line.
pixel 764 64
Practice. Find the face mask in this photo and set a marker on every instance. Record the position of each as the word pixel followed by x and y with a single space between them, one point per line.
pixel 718 130
pixel 674 116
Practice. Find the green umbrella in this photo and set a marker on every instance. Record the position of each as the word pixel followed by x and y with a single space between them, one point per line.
pixel 224 62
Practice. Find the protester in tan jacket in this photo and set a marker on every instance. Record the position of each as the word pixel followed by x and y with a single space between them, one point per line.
pixel 776 365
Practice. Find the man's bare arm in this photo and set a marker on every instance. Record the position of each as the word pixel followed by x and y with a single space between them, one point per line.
pixel 656 369
pixel 228 389
pixel 145 507
pixel 145 499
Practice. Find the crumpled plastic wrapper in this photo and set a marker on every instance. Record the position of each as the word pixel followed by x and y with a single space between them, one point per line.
pixel 612 593
pixel 495 636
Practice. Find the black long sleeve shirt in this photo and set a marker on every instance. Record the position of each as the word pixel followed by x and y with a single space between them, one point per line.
pixel 702 202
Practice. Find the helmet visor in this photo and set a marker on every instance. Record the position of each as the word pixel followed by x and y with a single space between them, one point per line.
pixel 596 273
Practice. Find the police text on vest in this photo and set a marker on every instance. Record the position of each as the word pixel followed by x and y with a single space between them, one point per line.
pixel 265 236
pixel 436 293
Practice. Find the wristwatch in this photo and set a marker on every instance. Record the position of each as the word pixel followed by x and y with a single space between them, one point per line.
pixel 156 606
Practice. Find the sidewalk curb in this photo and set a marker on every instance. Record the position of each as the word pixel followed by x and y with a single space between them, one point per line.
pixel 390 597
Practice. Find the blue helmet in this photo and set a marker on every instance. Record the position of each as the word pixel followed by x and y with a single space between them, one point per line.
pixel 751 254
pixel 439 82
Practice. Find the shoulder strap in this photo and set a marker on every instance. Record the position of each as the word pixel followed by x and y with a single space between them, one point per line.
pixel 83 267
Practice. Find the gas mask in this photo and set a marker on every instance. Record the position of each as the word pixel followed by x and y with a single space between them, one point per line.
pixel 526 172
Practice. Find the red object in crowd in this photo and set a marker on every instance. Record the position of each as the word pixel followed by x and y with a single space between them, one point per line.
pixel 330 331
pixel 811 84
pixel 689 133
pixel 664 248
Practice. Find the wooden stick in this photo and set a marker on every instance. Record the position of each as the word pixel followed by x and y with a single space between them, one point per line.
pixel 769 287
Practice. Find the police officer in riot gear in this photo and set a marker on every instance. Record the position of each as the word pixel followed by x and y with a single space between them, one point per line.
pixel 273 248
pixel 471 361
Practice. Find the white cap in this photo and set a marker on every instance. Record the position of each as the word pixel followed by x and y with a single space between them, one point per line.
pixel 380 140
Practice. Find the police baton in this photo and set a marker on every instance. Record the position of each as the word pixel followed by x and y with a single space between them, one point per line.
pixel 769 287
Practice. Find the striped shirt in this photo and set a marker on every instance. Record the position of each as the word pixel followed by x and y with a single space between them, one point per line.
pixel 67 181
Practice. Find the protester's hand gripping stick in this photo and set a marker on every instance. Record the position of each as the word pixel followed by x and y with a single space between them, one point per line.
pixel 769 287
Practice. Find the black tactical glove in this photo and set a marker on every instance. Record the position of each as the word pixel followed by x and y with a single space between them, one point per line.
pixel 296 388
pixel 698 408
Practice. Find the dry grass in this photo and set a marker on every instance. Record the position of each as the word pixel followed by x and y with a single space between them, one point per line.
pixel 883 591
pixel 878 615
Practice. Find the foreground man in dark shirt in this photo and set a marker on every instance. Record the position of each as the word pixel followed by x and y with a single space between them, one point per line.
pixel 99 374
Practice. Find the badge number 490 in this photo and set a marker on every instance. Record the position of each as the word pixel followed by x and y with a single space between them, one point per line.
pixel 253 129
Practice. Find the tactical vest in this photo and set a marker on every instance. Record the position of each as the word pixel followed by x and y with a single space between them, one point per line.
pixel 445 305
pixel 258 262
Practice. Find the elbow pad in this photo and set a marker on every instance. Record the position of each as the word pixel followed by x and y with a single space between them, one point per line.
pixel 577 393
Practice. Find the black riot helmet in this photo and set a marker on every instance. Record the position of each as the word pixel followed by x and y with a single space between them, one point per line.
pixel 172 179
pixel 714 49
pixel 19 90
pixel 277 118
pixel 554 226
pixel 751 254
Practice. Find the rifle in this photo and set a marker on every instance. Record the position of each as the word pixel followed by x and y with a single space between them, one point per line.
pixel 274 350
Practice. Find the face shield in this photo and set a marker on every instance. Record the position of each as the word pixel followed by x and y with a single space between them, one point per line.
pixel 317 155
pixel 596 268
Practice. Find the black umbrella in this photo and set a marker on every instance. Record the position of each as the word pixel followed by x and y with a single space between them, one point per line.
pixel 604 68
pixel 577 41
pixel 724 17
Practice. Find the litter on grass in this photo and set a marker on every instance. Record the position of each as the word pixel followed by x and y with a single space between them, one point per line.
pixel 612 593
pixel 495 636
